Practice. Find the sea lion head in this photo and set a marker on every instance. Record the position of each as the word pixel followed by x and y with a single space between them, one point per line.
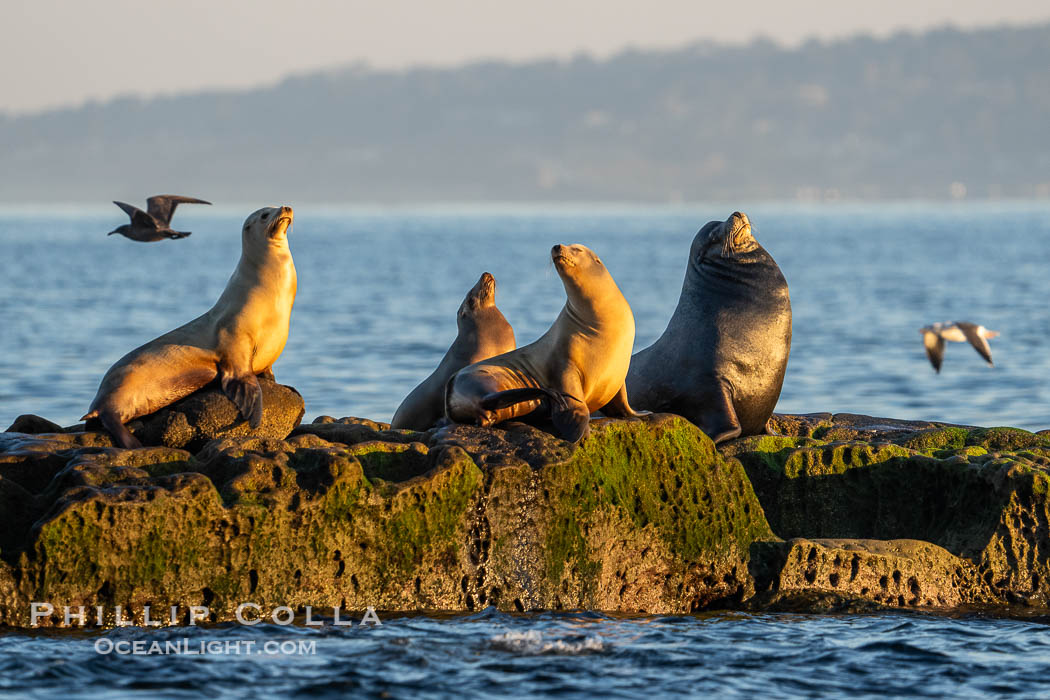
pixel 726 240
pixel 481 296
pixel 267 225
pixel 481 325
pixel 581 271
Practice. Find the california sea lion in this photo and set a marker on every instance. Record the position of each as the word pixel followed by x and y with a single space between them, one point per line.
pixel 720 362
pixel 238 338
pixel 575 369
pixel 483 333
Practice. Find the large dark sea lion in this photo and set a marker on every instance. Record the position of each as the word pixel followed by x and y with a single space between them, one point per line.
pixel 576 368
pixel 721 360
pixel 237 339
pixel 483 333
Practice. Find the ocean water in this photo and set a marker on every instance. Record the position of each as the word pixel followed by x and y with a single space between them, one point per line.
pixel 570 655
pixel 378 292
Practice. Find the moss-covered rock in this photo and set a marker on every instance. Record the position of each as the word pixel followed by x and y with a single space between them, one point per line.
pixel 208 414
pixel 949 486
pixel 646 515
pixel 891 573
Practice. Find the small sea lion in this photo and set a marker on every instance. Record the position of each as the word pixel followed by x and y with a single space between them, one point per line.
pixel 240 337
pixel 934 335
pixel 154 224
pixel 720 362
pixel 483 333
pixel 576 368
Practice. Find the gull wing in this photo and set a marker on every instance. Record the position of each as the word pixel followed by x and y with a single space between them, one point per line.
pixel 934 344
pixel 138 217
pixel 162 206
pixel 974 334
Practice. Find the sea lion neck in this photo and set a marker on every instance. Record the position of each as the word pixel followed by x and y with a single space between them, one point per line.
pixel 595 307
pixel 273 251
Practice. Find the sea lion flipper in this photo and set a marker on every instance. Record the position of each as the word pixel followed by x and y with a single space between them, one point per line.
pixel 505 399
pixel 111 422
pixel 718 419
pixel 570 416
pixel 620 407
pixel 266 374
pixel 246 394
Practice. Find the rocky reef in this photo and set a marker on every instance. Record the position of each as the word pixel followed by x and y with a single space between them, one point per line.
pixel 646 516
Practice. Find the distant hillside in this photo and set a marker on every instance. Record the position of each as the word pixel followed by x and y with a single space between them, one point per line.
pixel 907 116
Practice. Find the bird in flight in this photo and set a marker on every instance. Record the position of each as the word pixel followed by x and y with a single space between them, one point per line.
pixel 154 224
pixel 934 335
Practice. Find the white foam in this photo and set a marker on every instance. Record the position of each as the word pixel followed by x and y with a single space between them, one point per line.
pixel 533 642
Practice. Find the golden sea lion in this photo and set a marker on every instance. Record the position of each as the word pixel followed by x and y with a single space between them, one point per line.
pixel 575 369
pixel 483 333
pixel 241 336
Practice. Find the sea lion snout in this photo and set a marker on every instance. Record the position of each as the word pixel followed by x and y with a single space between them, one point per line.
pixel 563 256
pixel 483 293
pixel 282 221
pixel 736 235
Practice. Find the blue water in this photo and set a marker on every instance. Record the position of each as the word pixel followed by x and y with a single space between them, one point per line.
pixel 566 655
pixel 378 291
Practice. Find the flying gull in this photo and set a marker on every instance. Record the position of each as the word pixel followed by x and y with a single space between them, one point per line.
pixel 154 224
pixel 934 335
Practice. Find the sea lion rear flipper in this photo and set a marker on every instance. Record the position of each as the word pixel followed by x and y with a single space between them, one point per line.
pixel 246 394
pixel 718 418
pixel 503 399
pixel 570 416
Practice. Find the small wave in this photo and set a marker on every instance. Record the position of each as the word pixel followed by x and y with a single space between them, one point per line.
pixel 534 643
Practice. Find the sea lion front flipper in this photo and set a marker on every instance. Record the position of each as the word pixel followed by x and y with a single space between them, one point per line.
pixel 246 395
pixel 266 374
pixel 118 430
pixel 718 418
pixel 620 407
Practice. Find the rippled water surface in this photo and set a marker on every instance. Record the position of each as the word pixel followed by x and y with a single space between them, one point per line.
pixel 378 292
pixel 569 655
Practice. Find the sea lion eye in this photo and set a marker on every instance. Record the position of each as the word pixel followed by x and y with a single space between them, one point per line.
pixel 266 216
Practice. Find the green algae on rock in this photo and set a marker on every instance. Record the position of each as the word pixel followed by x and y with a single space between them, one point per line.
pixel 906 480
pixel 646 516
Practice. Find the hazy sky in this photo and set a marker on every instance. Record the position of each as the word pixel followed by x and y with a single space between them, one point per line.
pixel 64 52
